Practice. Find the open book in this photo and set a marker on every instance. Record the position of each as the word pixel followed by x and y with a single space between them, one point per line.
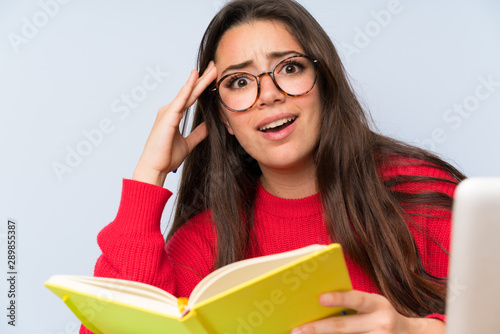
pixel 268 294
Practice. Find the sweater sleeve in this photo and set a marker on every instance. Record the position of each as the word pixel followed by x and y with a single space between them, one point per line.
pixel 133 247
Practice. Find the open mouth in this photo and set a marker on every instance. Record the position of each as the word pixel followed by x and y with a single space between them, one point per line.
pixel 277 125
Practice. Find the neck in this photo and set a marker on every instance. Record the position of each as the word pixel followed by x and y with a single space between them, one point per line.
pixel 290 183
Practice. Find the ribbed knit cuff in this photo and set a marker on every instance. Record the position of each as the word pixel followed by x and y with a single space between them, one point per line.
pixel 141 203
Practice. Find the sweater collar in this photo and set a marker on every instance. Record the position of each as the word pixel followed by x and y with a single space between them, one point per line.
pixel 287 208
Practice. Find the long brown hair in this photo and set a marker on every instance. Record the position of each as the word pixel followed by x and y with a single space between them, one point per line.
pixel 370 220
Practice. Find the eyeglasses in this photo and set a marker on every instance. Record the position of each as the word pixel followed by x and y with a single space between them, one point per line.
pixel 294 76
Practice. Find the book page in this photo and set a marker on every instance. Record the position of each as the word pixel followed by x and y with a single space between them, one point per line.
pixel 127 292
pixel 240 272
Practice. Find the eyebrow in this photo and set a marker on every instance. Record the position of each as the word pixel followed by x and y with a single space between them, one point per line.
pixel 270 55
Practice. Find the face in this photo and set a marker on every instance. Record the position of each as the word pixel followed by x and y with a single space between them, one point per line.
pixel 256 47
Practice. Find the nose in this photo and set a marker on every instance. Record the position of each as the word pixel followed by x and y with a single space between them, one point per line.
pixel 269 92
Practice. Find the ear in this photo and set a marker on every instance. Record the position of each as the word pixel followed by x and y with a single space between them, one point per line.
pixel 226 123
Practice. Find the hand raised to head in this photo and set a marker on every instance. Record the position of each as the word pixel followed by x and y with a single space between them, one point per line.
pixel 166 148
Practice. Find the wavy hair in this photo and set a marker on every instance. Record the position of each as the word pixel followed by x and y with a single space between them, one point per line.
pixel 363 212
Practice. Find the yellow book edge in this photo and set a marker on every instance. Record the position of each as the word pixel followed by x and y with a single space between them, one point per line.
pixel 65 296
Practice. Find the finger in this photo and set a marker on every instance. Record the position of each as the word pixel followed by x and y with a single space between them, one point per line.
pixel 349 324
pixel 196 136
pixel 179 102
pixel 363 302
pixel 187 95
pixel 202 83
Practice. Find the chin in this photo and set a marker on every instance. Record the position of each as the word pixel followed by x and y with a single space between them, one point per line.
pixel 285 161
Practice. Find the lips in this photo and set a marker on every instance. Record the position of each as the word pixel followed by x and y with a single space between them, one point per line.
pixel 278 125
pixel 276 122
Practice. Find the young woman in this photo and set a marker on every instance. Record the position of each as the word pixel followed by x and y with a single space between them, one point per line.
pixel 282 156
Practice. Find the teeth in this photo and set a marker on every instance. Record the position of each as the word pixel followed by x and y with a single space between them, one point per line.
pixel 277 123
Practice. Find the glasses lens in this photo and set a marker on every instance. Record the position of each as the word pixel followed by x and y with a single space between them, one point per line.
pixel 296 75
pixel 238 90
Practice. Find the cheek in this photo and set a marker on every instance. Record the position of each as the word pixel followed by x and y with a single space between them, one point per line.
pixel 238 124
pixel 312 106
pixel 239 127
pixel 315 117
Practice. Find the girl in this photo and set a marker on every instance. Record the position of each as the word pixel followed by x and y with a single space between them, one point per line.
pixel 282 156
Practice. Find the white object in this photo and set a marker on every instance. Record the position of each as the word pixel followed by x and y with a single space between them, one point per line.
pixel 473 302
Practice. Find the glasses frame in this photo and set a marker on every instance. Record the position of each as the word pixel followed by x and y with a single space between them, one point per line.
pixel 271 74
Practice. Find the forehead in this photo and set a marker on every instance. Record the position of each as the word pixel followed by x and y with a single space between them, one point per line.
pixel 253 41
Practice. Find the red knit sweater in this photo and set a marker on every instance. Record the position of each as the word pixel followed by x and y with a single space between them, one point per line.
pixel 133 246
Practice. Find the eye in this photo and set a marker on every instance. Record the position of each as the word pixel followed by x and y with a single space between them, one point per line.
pixel 290 68
pixel 238 81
